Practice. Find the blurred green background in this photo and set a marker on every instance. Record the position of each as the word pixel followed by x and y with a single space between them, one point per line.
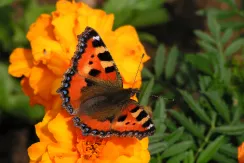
pixel 196 69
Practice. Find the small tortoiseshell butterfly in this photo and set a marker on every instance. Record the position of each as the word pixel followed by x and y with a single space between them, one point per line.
pixel 102 107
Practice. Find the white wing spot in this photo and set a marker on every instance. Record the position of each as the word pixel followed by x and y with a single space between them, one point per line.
pixel 151 125
pixel 96 38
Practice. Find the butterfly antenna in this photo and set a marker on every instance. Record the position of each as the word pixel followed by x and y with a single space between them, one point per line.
pixel 168 99
pixel 155 96
pixel 137 70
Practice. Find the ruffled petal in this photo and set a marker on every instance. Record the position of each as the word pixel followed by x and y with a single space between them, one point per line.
pixel 21 62
pixel 37 150
pixel 66 129
pixel 41 81
pixel 34 98
pixel 41 28
pixel 42 48
pixel 132 50
pixel 58 65
pixel 42 130
pixel 59 154
pixel 67 39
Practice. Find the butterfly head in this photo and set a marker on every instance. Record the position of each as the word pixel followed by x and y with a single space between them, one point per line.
pixel 133 91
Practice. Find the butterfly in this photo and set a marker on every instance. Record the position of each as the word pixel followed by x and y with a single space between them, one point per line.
pixel 102 107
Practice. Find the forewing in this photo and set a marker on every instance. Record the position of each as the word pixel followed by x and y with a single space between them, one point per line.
pixel 91 62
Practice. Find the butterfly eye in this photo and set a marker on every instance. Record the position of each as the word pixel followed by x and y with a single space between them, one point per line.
pixel 134 91
pixel 132 94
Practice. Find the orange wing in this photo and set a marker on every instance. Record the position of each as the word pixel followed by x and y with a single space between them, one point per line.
pixel 133 121
pixel 91 60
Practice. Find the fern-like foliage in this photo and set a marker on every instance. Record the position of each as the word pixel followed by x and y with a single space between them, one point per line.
pixel 204 123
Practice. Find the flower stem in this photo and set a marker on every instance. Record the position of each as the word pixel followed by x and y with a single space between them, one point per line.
pixel 209 134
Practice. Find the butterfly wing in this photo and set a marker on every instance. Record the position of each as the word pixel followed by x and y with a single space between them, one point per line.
pixel 92 64
pixel 93 71
pixel 133 121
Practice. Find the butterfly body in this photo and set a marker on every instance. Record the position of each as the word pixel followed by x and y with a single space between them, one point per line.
pixel 103 107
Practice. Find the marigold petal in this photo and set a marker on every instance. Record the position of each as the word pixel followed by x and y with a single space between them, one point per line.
pixel 41 28
pixel 110 146
pixel 43 47
pixel 42 130
pixel 41 80
pixel 64 7
pixel 66 39
pixel 59 154
pixel 20 62
pixel 34 99
pixel 130 53
pixel 241 153
pixel 56 85
pixel 58 65
pixel 45 158
pixel 99 20
pixel 144 143
pixel 62 124
pixel 36 150
pixel 123 159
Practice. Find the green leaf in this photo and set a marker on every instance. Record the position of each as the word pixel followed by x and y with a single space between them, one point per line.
pixel 178 158
pixel 234 47
pixel 225 14
pixel 187 123
pixel 201 62
pixel 228 150
pixel 231 129
pixel 237 114
pixel 19 37
pixel 237 25
pixel 227 35
pixel 158 88
pixel 157 147
pixel 204 36
pixel 213 26
pixel 143 19
pixel 175 136
pixel 195 107
pixel 189 158
pixel 135 12
pixel 171 62
pixel 177 148
pixel 13 101
pixel 219 105
pixel 159 60
pixel 171 124
pixel 34 10
pixel 156 138
pixel 147 37
pixel 204 82
pixel 159 111
pixel 160 126
pixel 146 73
pixel 5 2
pixel 6 86
pixel 146 92
pixel 223 158
pixel 207 154
pixel 207 47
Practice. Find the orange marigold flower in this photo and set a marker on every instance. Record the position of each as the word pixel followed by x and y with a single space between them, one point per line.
pixel 241 153
pixel 53 40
